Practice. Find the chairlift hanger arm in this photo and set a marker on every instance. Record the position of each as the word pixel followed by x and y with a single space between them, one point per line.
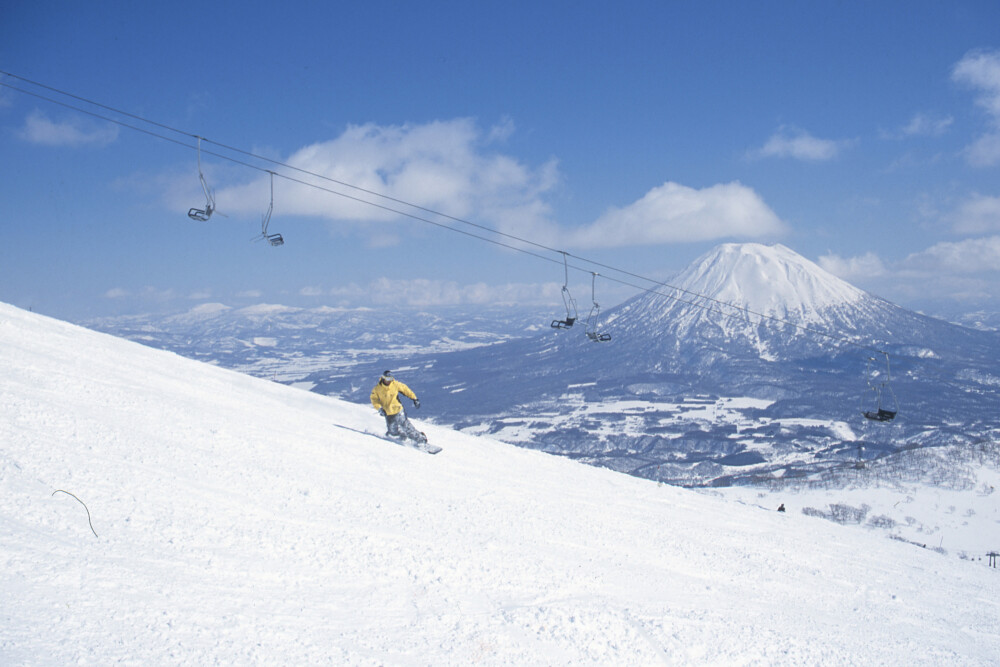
pixel 595 313
pixel 572 315
pixel 882 391
pixel 202 215
pixel 265 220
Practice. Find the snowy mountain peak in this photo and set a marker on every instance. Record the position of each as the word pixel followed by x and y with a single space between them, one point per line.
pixel 770 280
pixel 741 298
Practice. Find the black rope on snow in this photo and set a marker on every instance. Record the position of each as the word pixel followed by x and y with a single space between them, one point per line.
pixel 84 507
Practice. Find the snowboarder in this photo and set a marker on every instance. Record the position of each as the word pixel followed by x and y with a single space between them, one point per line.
pixel 385 399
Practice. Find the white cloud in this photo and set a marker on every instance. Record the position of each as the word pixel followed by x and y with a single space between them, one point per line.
pixel 447 166
pixel 984 151
pixel 796 143
pixel 501 131
pixel 38 129
pixel 145 294
pixel 862 267
pixel 674 213
pixel 979 255
pixel 965 271
pixel 924 125
pixel 424 292
pixel 979 214
pixel 980 70
pixel 439 166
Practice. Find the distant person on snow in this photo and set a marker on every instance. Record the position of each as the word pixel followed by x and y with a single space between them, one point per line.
pixel 385 399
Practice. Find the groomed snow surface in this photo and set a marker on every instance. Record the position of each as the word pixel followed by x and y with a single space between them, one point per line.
pixel 237 525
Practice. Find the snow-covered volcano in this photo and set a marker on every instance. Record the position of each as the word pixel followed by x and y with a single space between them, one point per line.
pixel 748 297
pixel 770 280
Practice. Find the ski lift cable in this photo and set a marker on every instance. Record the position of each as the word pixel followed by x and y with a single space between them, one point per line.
pixel 248 154
pixel 486 228
pixel 87 101
pixel 299 181
pixel 423 219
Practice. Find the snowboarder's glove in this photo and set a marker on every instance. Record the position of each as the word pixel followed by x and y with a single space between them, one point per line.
pixel 381 411
pixel 416 403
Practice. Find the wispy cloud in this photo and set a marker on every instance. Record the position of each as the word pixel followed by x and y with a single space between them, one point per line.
pixel 673 213
pixel 424 292
pixel 38 129
pixel 980 70
pixel 978 255
pixel 850 269
pixel 984 151
pixel 796 143
pixel 926 125
pixel 979 214
pixel 145 294
pixel 967 271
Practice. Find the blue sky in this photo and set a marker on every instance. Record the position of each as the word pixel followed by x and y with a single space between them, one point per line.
pixel 863 135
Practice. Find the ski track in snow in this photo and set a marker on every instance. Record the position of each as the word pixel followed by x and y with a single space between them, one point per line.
pixel 238 526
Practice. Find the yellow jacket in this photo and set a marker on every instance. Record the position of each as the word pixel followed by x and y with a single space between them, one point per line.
pixel 385 396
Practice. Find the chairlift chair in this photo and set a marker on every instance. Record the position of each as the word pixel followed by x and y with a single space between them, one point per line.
pixel 202 215
pixel 265 220
pixel 571 313
pixel 886 405
pixel 595 313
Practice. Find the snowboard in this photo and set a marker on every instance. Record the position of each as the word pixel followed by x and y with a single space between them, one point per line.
pixel 405 442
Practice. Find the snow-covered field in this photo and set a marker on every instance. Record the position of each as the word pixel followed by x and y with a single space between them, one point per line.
pixel 954 508
pixel 237 525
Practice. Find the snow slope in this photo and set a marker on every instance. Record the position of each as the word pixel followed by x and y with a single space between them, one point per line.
pixel 237 525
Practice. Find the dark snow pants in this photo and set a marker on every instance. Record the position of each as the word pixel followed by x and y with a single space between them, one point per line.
pixel 398 426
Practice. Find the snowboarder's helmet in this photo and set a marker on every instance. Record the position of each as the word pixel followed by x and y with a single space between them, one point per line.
pixel 387 377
